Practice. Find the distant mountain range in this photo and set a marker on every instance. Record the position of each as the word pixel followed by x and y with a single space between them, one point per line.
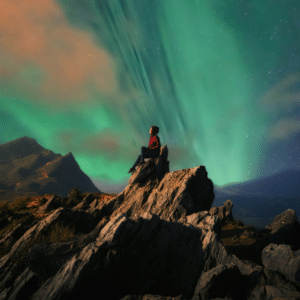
pixel 284 183
pixel 26 168
pixel 258 201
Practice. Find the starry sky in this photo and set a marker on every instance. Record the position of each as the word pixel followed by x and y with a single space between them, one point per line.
pixel 220 79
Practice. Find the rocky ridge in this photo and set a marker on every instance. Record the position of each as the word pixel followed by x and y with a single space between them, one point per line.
pixel 158 239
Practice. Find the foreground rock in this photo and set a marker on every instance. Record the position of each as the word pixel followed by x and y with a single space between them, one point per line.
pixel 158 239
pixel 170 195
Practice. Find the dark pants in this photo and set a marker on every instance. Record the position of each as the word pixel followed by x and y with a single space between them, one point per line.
pixel 146 153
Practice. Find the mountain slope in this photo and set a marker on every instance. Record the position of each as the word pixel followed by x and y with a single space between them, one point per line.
pixel 26 168
pixel 284 183
pixel 258 201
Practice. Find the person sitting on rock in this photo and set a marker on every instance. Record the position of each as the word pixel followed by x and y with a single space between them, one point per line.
pixel 153 149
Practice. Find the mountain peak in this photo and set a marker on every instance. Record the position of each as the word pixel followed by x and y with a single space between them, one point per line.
pixel 20 148
pixel 27 167
pixel 20 140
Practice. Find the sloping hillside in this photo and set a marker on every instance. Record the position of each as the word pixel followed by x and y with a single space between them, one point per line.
pixel 26 168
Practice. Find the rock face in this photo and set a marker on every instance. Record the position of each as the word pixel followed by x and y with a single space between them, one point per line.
pixel 156 167
pixel 29 169
pixel 158 239
pixel 223 212
pixel 284 229
pixel 152 188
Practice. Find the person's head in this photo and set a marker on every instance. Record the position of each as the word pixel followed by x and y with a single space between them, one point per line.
pixel 154 130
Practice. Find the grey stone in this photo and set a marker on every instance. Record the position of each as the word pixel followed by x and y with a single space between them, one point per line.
pixel 281 258
pixel 228 280
pixel 223 212
pixel 284 229
pixel 270 292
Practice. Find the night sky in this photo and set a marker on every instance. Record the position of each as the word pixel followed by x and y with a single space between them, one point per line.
pixel 220 78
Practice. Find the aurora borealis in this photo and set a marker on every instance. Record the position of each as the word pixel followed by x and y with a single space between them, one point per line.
pixel 219 78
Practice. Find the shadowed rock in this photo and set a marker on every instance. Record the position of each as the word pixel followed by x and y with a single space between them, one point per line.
pixel 219 276
pixel 284 229
pixel 281 258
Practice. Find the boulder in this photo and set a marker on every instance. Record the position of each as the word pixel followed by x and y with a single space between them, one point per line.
pixel 284 229
pixel 274 293
pixel 204 220
pixel 158 239
pixel 273 285
pixel 282 259
pixel 227 279
pixel 223 212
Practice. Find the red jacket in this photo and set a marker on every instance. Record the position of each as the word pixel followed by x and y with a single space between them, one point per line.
pixel 154 143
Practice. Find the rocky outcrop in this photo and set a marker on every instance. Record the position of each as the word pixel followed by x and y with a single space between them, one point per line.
pixel 223 212
pixel 154 167
pixel 282 259
pixel 284 229
pixel 177 194
pixel 158 239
